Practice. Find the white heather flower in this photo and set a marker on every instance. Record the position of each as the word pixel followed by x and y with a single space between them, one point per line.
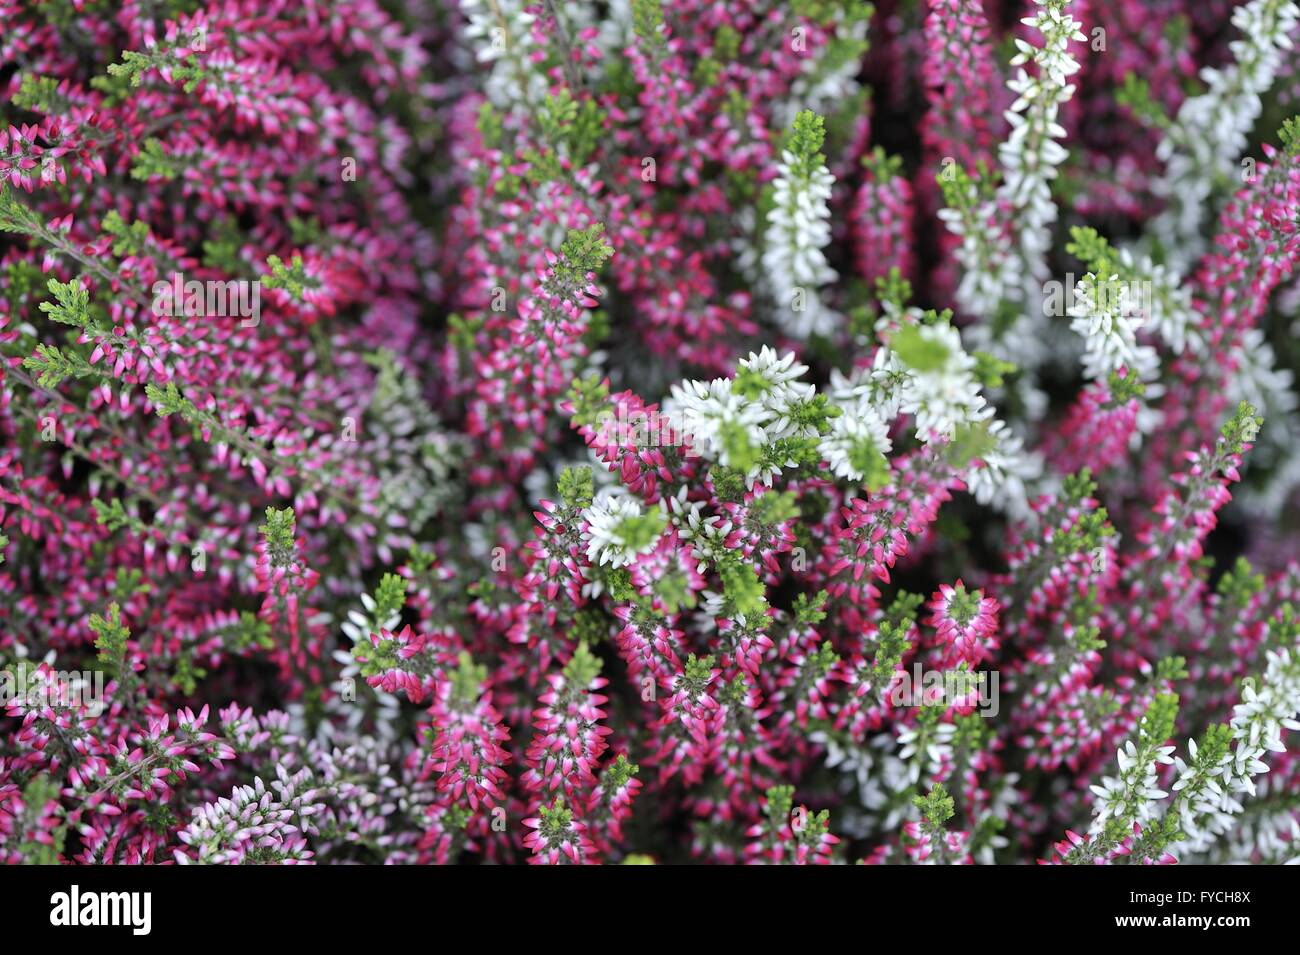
pixel 1172 316
pixel 854 437
pixel 798 229
pixel 619 529
pixel 926 757
pixel 715 416
pixel 781 403
pixel 881 385
pixel 945 397
pixel 1008 470
pixel 1211 130
pixel 1211 802
pixel 773 368
pixel 1133 794
pixel 1029 158
pixel 1108 313
pixel 1260 381
pixel 500 32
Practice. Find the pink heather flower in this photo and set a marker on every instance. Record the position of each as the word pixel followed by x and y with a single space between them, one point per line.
pixel 386 533
pixel 467 738
pixel 966 624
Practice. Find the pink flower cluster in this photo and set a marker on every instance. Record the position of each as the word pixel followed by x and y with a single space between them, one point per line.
pixel 450 431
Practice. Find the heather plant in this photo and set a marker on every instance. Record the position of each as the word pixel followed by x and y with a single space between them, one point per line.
pixel 807 432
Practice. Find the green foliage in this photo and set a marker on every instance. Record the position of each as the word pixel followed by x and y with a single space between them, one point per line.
pixel 639 531
pixel 742 588
pixel 936 807
pixel 129 583
pixel 619 582
pixel 804 142
pixel 490 127
pixel 583 251
pixel 1284 628
pixel 590 625
pixel 728 483
pixel 576 127
pixel 128 239
pixel 462 331
pixel 775 507
pixel 1289 134
pixel 1240 584
pixel 617 774
pixel 52 366
pixel 111 637
pixel 557 821
pixel 153 162
pixel 1135 94
pixel 827 12
pixel 892 638
pixel 293 278
pixel 1241 429
pixel 780 801
pixel 881 165
pixel 1123 388
pixel 1092 249
pixel 963 605
pixel 278 532
pixel 71 305
pixel 390 597
pixel 222 250
pixel 741 452
pixel 697 674
pixel 467 681
pixel 167 400
pixel 178 60
pixel 918 352
pixel 969 442
pixel 871 463
pixel 590 400
pixel 114 516
pixel 648 22
pixel 576 488
pixel 583 667
pixel 40 94
pixel 1078 487
pixel 1157 724
pixel 1171 669
pixel 810 611
pixel 39 845
pixel 991 372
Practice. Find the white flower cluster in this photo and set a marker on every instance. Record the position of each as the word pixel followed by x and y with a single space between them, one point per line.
pixel 1108 314
pixel 1133 795
pixel 610 520
pixel 1028 157
pixel 1172 315
pixel 1211 130
pixel 793 262
pixel 1031 153
pixel 860 430
pixel 926 753
pixel 948 396
pixel 500 32
pixel 943 399
pixel 1211 801
pixel 721 421
pixel 986 264
pixel 1268 835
